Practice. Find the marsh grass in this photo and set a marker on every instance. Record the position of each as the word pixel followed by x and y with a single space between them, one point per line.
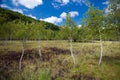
pixel 56 62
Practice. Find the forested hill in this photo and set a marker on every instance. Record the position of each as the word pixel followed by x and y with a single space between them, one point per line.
pixel 10 16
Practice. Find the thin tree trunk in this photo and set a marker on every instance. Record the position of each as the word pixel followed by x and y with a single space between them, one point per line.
pixel 39 48
pixel 71 50
pixel 92 46
pixel 101 49
pixel 82 44
pixel 5 42
pixel 10 38
pixel 107 44
pixel 23 51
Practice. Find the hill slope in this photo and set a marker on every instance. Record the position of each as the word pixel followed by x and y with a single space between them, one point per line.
pixel 9 16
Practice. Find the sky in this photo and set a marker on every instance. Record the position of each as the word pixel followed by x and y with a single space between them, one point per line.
pixel 53 11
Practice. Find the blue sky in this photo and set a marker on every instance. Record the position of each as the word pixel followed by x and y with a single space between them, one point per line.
pixel 53 11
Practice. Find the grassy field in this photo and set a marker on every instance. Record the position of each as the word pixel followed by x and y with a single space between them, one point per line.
pixel 56 62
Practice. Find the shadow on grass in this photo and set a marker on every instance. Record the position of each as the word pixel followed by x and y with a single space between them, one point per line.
pixel 112 65
pixel 33 53
pixel 84 77
pixel 112 60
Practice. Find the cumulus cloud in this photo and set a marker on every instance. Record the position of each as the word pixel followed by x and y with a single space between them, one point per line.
pixel 105 3
pixel 15 2
pixel 30 15
pixel 59 19
pixel 52 19
pixel 63 15
pixel 58 3
pixel 107 10
pixel 28 3
pixel 4 6
pixel 79 1
pixel 63 2
pixel 74 13
pixel 79 25
pixel 17 10
pixel 13 9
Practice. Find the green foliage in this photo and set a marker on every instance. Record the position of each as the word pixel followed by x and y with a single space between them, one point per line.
pixel 7 15
pixel 14 25
pixel 70 29
pixel 113 16
pixel 7 30
pixel 96 23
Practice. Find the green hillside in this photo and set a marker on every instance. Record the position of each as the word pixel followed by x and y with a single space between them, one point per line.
pixel 10 16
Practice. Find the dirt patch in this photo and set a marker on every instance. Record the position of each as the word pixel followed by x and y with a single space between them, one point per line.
pixel 15 56
pixel 47 53
pixel 51 57
pixel 58 51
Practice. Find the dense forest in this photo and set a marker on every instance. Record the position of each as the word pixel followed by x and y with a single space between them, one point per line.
pixel 14 25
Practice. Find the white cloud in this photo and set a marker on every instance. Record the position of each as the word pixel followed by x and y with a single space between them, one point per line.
pixel 17 10
pixel 28 3
pixel 63 2
pixel 30 15
pixel 25 9
pixel 15 2
pixel 58 3
pixel 105 3
pixel 80 2
pixel 57 20
pixel 4 6
pixel 74 13
pixel 63 15
pixel 55 5
pixel 79 25
pixel 13 9
pixel 53 19
pixel 107 10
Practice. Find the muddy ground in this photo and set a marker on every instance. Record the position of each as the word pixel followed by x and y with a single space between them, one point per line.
pixel 51 58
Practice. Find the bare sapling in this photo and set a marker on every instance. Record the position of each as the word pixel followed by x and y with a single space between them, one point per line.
pixel 5 42
pixel 39 48
pixel 101 49
pixel 23 52
pixel 71 50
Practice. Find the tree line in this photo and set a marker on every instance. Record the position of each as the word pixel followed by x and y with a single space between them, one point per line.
pixel 95 22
